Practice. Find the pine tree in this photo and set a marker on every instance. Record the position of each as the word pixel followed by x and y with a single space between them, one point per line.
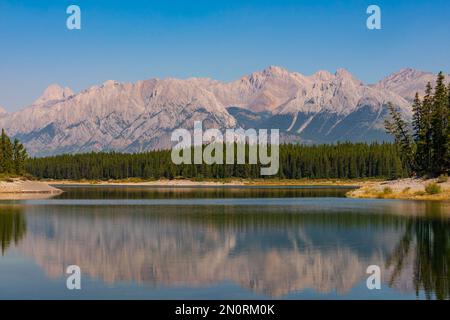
pixel 439 117
pixel 419 129
pixel 19 157
pixel 427 106
pixel 448 128
pixel 399 129
pixel 6 164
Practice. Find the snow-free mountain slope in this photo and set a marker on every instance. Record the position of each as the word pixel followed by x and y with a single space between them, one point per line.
pixel 407 82
pixel 134 117
pixel 54 93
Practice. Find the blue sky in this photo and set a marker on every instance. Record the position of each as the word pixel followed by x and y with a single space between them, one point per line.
pixel 134 40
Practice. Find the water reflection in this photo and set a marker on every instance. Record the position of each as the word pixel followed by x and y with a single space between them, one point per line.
pixel 12 226
pixel 273 250
pixel 137 192
pixel 425 244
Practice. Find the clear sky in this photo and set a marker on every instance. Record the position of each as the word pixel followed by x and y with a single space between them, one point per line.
pixel 222 39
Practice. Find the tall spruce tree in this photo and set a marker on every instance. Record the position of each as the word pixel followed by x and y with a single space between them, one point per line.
pixel 439 117
pixel 19 157
pixel 399 129
pixel 448 128
pixel 6 163
pixel 419 134
pixel 427 106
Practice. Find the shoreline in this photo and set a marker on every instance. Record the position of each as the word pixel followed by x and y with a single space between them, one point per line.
pixel 404 189
pixel 22 189
pixel 212 183
pixel 407 189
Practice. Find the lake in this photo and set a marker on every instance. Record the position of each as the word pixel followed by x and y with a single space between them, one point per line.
pixel 223 243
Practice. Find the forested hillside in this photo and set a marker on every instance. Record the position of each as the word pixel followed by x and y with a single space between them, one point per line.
pixel 345 160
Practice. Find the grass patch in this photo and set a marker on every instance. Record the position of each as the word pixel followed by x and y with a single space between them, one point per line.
pixel 433 188
pixel 442 178
pixel 381 194
pixel 387 190
pixel 433 192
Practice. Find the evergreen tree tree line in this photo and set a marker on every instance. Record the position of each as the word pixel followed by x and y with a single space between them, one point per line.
pixel 425 143
pixel 12 155
pixel 342 160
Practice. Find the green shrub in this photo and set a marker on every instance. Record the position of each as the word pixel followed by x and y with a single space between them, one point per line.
pixel 433 188
pixel 442 178
pixel 383 193
pixel 387 190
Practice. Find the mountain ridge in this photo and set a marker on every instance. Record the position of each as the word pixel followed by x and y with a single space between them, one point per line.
pixel 135 117
pixel 407 81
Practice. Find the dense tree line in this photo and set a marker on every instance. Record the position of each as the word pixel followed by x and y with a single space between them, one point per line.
pixel 425 143
pixel 12 155
pixel 343 160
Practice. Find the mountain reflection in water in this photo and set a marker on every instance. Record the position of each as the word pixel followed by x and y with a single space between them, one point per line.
pixel 271 250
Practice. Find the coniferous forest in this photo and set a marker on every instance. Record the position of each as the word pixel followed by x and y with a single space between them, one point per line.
pixel 425 143
pixel 344 160
pixel 12 156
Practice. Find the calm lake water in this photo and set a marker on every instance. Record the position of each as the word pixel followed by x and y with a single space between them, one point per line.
pixel 223 243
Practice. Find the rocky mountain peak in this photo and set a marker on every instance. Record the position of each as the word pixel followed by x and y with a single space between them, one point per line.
pixel 407 81
pixel 110 83
pixel 322 75
pixel 344 74
pixel 274 71
pixel 402 76
pixel 54 92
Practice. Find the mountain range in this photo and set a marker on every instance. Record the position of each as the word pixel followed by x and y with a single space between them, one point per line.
pixel 140 116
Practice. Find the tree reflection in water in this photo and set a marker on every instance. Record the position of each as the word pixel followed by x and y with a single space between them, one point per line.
pixel 427 241
pixel 12 226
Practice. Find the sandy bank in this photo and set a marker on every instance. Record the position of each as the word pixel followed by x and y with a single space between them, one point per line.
pixel 156 183
pixel 412 188
pixel 17 189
